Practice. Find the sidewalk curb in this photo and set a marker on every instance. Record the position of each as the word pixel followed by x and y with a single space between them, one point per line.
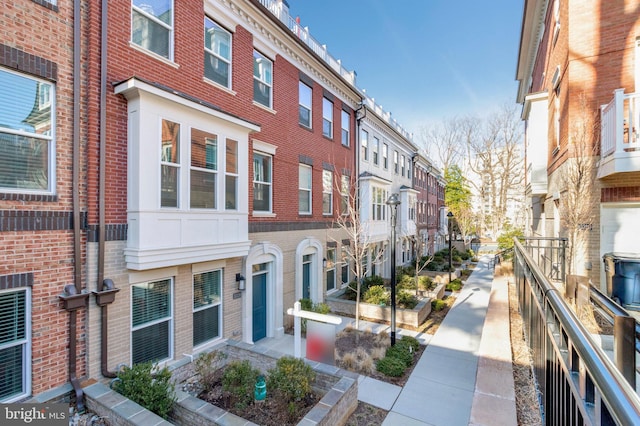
pixel 494 397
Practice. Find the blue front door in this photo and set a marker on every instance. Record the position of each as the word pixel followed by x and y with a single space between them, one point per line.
pixel 259 301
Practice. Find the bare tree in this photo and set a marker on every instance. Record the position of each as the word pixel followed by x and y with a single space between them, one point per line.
pixel 422 261
pixel 446 141
pixel 349 221
pixel 577 178
pixel 494 157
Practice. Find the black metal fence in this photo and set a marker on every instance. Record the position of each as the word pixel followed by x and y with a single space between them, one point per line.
pixel 578 384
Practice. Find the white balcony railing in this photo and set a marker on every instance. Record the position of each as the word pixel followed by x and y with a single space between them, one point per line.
pixel 275 7
pixel 620 134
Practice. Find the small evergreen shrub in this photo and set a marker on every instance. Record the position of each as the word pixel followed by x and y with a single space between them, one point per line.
pixel 239 380
pixel 206 366
pixel 401 352
pixel 406 281
pixel 426 283
pixel 373 280
pixel 291 378
pixel 406 300
pixel 377 295
pixel 144 384
pixel 437 305
pixel 410 342
pixel 454 285
pixel 391 366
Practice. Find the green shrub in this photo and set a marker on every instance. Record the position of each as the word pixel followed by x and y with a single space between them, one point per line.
pixel 390 366
pixel 291 379
pixel 239 380
pixel 146 385
pixel 377 295
pixel 437 305
pixel 373 280
pixel 426 283
pixel 464 273
pixel 407 282
pixel 400 352
pixel 406 300
pixel 306 304
pixel 410 342
pixel 206 366
pixel 454 285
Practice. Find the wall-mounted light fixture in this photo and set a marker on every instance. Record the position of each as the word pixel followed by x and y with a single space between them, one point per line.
pixel 324 262
pixel 241 281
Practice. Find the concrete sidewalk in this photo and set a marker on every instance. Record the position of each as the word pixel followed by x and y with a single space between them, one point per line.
pixel 464 376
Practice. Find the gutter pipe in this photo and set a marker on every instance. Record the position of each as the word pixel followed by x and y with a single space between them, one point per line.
pixel 105 290
pixel 76 205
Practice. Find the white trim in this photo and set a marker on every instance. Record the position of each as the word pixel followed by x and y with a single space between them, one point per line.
pixel 313 246
pixel 197 268
pixel 152 275
pixel 130 87
pixel 265 147
pixel 264 252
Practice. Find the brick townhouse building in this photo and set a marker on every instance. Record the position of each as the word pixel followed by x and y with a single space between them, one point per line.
pixel 41 203
pixel 578 80
pixel 429 182
pixel 172 176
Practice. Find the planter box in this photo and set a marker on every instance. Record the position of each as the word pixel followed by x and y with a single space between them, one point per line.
pixel 408 317
pixel 339 388
pixel 436 293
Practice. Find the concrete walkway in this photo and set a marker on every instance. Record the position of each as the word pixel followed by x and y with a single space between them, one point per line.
pixel 464 376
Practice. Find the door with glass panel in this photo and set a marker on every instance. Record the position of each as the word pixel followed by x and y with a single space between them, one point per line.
pixel 306 276
pixel 259 311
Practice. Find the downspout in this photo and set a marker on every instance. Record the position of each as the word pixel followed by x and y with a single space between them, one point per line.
pixel 357 149
pixel 76 204
pixel 105 290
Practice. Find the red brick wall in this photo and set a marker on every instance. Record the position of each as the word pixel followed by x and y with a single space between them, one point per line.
pixel 33 32
pixel 280 128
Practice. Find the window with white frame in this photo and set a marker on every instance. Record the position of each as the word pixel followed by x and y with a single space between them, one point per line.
pixel 409 168
pixel 304 104
pixel 262 188
pixel 378 205
pixel 217 53
pixel 345 193
pixel 152 26
pixel 375 146
pixel 403 161
pixel 207 306
pixel 262 79
pixel 364 140
pixel 204 169
pixel 331 269
pixel 27 134
pixel 385 156
pixel 304 189
pixel 15 344
pixel 327 192
pixel 231 175
pixel 327 118
pixel 170 164
pixel 395 162
pixel 346 125
pixel 151 321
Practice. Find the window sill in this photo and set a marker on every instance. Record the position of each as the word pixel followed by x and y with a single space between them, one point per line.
pixel 305 127
pixel 266 108
pixel 327 137
pixel 153 55
pixel 219 86
pixel 263 214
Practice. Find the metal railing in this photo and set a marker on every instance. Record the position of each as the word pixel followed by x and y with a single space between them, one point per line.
pixel 578 384
pixel 549 254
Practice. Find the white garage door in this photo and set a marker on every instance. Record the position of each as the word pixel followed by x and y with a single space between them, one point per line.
pixel 620 228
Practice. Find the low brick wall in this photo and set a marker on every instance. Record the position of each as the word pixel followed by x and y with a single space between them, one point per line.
pixel 409 317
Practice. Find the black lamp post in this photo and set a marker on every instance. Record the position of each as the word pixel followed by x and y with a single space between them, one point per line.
pixel 393 202
pixel 449 219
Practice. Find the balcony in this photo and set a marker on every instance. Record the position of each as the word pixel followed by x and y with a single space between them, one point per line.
pixel 535 112
pixel 620 134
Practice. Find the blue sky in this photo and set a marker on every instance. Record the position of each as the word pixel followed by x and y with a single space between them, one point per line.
pixel 422 60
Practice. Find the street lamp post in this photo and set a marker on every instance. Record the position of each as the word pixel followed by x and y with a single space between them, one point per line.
pixel 393 202
pixel 449 217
